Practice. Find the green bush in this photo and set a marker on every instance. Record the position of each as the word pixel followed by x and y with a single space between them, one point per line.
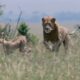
pixel 24 30
pixel 33 39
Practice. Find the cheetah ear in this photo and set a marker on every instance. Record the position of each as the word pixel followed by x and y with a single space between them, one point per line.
pixel 53 20
pixel 43 19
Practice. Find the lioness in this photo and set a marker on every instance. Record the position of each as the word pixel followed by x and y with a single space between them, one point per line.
pixel 19 43
pixel 54 34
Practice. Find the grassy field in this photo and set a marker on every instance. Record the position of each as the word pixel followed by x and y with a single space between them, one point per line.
pixel 41 64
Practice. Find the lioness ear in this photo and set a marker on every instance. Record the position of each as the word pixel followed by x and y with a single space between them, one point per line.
pixel 42 19
pixel 53 20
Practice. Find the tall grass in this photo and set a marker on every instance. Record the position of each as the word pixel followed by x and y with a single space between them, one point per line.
pixel 41 64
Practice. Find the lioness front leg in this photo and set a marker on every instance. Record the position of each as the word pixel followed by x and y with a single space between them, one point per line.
pixel 56 46
pixel 48 45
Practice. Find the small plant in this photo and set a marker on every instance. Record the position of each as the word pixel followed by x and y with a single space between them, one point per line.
pixel 24 30
pixel 33 39
pixel 5 32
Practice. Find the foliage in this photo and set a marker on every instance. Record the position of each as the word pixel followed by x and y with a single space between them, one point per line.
pixel 32 38
pixel 5 32
pixel 24 30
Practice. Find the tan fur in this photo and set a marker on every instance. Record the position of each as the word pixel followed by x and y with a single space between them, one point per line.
pixel 19 43
pixel 57 35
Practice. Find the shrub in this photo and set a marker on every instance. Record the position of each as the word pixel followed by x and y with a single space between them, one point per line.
pixel 24 30
pixel 5 32
pixel 33 39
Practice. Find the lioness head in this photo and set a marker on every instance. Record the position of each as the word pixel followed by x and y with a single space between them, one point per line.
pixel 48 24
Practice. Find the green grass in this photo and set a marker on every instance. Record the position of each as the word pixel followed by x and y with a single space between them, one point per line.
pixel 41 64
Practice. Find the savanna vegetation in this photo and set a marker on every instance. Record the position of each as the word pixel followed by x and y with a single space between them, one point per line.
pixel 40 63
